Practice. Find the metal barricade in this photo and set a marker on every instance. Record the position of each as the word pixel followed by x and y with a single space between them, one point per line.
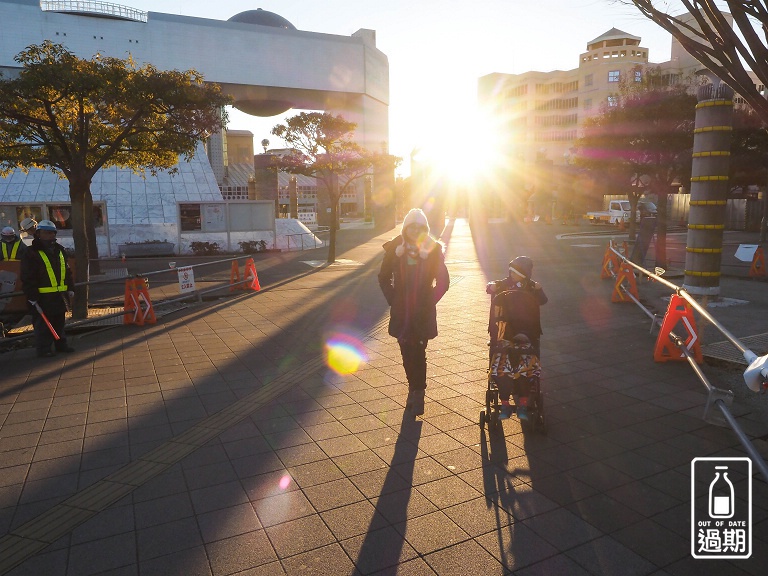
pixel 194 295
pixel 308 240
pixel 755 377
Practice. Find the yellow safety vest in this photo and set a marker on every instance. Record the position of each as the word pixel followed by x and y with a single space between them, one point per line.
pixel 14 250
pixel 51 276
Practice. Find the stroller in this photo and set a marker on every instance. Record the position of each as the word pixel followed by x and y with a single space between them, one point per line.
pixel 513 364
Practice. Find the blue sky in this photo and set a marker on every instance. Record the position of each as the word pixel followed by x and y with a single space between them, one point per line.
pixel 431 41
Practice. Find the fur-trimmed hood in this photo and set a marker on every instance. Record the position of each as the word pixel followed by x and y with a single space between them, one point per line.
pixel 397 245
pixel 425 247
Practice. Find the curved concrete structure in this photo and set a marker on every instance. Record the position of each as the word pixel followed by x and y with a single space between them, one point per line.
pixel 267 66
pixel 256 63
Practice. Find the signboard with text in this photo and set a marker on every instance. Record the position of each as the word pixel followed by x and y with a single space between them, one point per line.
pixel 186 279
pixel 721 508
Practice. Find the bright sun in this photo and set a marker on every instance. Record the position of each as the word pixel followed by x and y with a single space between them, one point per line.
pixel 461 150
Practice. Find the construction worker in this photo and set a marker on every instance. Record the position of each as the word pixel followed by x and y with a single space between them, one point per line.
pixel 11 246
pixel 47 283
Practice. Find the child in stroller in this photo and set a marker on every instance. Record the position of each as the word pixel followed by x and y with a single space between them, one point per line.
pixel 515 329
pixel 515 370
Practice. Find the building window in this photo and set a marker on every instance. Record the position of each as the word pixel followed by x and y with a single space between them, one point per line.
pixel 34 212
pixel 588 104
pixel 588 79
pixel 613 76
pixel 638 76
pixel 61 215
pixel 612 101
pixel 190 217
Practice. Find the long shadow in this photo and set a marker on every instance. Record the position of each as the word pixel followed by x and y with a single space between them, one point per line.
pixel 350 291
pixel 497 488
pixel 383 544
pixel 270 285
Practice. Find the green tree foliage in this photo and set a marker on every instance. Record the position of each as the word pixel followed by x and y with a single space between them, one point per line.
pixel 645 136
pixel 75 116
pixel 322 146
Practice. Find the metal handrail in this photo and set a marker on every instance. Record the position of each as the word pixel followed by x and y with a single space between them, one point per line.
pixel 153 273
pixel 94 7
pixel 196 294
pixel 717 397
pixel 749 356
pixel 303 234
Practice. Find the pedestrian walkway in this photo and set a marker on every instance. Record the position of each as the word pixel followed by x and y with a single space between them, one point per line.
pixel 265 434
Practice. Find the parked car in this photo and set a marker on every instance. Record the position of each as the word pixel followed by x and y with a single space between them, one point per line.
pixel 617 212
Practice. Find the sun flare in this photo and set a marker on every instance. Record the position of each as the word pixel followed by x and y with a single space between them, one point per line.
pixel 460 151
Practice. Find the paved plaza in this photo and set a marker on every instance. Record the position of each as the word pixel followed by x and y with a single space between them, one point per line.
pixel 220 440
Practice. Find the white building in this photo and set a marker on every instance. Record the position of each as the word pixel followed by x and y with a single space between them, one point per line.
pixel 259 57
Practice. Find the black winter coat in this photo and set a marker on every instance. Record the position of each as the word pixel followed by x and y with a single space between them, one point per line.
pixel 412 291
pixel 34 275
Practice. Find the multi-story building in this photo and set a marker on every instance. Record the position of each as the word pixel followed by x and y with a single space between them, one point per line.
pixel 539 115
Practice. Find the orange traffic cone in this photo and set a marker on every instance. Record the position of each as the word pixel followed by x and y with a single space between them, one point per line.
pixel 251 275
pixel 679 311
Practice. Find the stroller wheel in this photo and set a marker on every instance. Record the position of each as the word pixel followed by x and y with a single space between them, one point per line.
pixel 482 418
pixel 494 424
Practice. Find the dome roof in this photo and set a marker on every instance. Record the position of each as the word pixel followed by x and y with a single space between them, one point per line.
pixel 262 18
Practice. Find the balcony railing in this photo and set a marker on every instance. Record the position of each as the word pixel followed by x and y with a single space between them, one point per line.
pixel 106 9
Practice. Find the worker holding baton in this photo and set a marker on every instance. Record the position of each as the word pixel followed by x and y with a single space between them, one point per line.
pixel 47 284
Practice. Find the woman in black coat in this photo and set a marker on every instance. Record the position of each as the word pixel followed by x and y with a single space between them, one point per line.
pixel 413 278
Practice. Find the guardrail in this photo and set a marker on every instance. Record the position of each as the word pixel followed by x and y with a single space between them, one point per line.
pixel 192 295
pixel 755 376
pixel 308 240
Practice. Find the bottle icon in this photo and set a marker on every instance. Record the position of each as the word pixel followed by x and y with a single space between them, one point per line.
pixel 721 497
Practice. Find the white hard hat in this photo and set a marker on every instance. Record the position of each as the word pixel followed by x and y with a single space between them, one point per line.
pixel 28 224
pixel 8 232
pixel 46 225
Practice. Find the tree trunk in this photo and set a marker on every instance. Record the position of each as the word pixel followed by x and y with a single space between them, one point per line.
pixel 661 229
pixel 333 228
pixel 633 198
pixel 90 225
pixel 77 194
pixel 764 220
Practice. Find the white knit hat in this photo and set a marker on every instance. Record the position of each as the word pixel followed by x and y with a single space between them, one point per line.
pixel 417 216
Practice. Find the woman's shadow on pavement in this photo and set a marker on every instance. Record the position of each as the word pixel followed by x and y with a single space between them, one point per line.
pixel 383 546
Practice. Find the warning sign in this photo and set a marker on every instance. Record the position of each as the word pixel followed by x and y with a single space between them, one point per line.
pixel 186 280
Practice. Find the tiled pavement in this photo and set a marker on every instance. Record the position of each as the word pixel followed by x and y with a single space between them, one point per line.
pixel 219 442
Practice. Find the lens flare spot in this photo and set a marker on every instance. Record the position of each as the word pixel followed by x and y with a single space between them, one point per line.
pixel 343 354
pixel 285 481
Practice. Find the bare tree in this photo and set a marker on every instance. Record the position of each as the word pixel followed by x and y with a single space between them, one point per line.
pixel 322 147
pixel 727 50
